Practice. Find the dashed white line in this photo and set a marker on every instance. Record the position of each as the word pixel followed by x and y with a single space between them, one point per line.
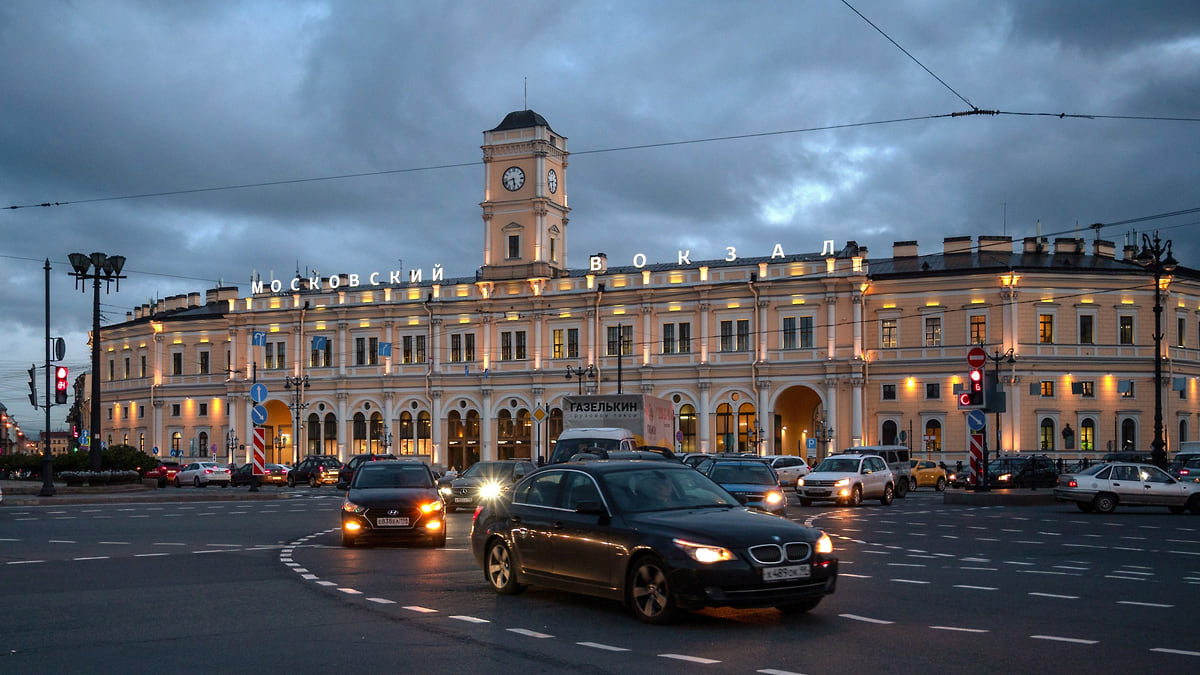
pixel 149 555
pixel 469 619
pixel 909 581
pixel 1058 638
pixel 94 557
pixel 1183 652
pixel 597 645
pixel 529 633
pixel 1056 596
pixel 381 601
pixel 977 588
pixel 1143 604
pixel 689 659
pixel 23 562
pixel 856 617
pixel 419 609
pixel 960 629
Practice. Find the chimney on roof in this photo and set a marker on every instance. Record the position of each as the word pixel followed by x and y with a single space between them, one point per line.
pixel 952 245
pixel 193 299
pixel 1068 246
pixel 994 244
pixel 904 249
pixel 1034 245
pixel 1103 249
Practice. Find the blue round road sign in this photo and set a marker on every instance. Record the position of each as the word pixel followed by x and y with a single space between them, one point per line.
pixel 258 415
pixel 976 420
pixel 258 393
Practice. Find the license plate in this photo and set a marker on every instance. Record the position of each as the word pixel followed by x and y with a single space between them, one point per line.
pixel 392 522
pixel 786 572
pixel 462 500
pixel 819 493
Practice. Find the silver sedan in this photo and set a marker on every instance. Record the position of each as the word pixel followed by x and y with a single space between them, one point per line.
pixel 1102 487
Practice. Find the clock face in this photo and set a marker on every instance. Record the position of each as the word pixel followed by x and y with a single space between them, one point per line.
pixel 513 178
pixel 552 181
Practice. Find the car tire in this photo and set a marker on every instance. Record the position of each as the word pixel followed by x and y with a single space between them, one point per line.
pixel 500 570
pixel 177 482
pixel 805 502
pixel 225 483
pixel 912 484
pixel 347 540
pixel 440 540
pixel 1104 502
pixel 313 482
pixel 648 591
pixel 888 495
pixel 941 485
pixel 799 607
pixel 162 482
pixel 1086 507
pixel 291 481
pixel 901 488
pixel 196 481
pixel 855 496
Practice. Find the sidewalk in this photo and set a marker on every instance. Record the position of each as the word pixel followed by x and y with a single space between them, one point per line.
pixel 27 493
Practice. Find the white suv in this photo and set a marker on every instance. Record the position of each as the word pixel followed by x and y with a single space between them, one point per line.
pixel 788 467
pixel 848 479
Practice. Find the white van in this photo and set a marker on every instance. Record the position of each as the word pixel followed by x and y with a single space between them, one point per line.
pixel 573 441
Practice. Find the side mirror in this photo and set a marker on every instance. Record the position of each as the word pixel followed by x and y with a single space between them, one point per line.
pixel 591 509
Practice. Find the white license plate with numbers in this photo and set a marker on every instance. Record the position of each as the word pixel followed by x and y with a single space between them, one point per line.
pixel 786 572
pixel 393 522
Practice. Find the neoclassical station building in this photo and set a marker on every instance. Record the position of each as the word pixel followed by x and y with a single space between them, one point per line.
pixel 779 351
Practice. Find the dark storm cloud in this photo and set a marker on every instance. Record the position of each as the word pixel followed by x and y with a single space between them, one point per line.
pixel 110 99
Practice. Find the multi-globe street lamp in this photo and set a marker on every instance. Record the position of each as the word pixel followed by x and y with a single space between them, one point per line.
pixel 96 267
pixel 1156 256
pixel 582 372
pixel 297 385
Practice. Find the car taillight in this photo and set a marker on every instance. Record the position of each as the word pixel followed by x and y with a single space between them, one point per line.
pixel 208 471
pixel 1072 483
pixel 1183 472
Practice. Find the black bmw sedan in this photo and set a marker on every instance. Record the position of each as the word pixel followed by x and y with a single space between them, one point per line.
pixel 394 500
pixel 657 536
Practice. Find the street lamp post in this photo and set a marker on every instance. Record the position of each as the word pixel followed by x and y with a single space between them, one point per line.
pixel 824 436
pixel 386 441
pixel 297 385
pixel 1152 256
pixel 231 441
pixel 581 372
pixel 107 268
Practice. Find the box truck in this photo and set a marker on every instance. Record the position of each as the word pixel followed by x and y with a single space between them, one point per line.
pixel 613 422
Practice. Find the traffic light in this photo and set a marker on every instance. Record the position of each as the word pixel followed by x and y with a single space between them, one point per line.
pixel 973 397
pixel 33 386
pixel 60 384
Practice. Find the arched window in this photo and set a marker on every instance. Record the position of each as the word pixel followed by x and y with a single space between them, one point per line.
pixel 359 438
pixel 1183 431
pixel 376 432
pixel 724 420
pixel 424 433
pixel 888 433
pixel 456 447
pixel 176 441
pixel 1046 435
pixel 471 435
pixel 142 442
pixel 747 429
pixel 331 434
pixel 1128 434
pixel 687 427
pixel 554 425
pixel 1087 435
pixel 125 439
pixel 505 435
pixel 314 435
pixel 405 439
pixel 933 436
pixel 523 434
pixel 203 442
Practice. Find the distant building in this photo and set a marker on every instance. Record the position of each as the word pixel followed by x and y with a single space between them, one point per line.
pixel 800 346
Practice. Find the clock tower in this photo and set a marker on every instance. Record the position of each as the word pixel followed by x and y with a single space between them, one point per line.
pixel 524 199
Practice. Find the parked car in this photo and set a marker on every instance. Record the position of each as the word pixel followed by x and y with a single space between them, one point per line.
pixel 622 454
pixel 788 467
pixel 897 459
pixel 483 480
pixel 1180 460
pixel 346 472
pixel 751 480
pixel 316 470
pixel 393 500
pixel 1189 472
pixel 848 479
pixel 164 473
pixel 1022 472
pixel 926 473
pixel 657 536
pixel 274 474
pixel 201 474
pixel 1127 456
pixel 1103 487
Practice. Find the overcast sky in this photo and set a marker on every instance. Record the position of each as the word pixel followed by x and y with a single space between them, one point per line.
pixel 103 102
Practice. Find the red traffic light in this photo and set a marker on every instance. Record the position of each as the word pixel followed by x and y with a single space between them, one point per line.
pixel 60 384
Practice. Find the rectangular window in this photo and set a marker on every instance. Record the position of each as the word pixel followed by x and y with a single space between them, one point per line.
pixel 558 348
pixel 619 338
pixel 1047 389
pixel 726 336
pixel 111 370
pixel 203 410
pixel 456 352
pixel 1128 390
pixel 522 346
pixel 676 338
pixel 275 356
pixel 373 351
pixel 142 359
pixel 177 363
pixel 1087 329
pixel 514 246
pixel 743 335
pixel 414 348
pixel 887 333
pixel 1087 389
pixel 572 343
pixel 127 371
pixel 1046 329
pixel 685 338
pixel 360 351
pixel 174 410
pixel 978 329
pixel 1181 331
pixel 204 363
pixel 321 357
pixel 506 346
pixel 933 331
pixel 668 338
pixel 933 391
pixel 806 332
pixel 789 333
pixel 889 392
pixel 1125 329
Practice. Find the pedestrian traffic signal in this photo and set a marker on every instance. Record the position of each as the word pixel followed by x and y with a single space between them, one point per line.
pixel 33 386
pixel 973 397
pixel 60 384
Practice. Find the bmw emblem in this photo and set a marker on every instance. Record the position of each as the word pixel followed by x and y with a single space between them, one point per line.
pixel 393 512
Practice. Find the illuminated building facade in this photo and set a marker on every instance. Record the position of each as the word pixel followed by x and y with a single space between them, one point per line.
pixel 783 353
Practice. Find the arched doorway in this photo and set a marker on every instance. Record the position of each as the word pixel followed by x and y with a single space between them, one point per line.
pixel 798 412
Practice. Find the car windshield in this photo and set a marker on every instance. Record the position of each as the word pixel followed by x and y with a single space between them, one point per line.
pixel 754 473
pixel 644 490
pixel 415 476
pixel 489 471
pixel 567 448
pixel 837 465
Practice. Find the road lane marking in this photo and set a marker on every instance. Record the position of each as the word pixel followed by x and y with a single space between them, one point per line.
pixel 326 583
pixel 1056 596
pixel 1183 652
pixel 382 601
pixel 350 591
pixel 23 562
pixel 977 588
pixel 597 645
pixel 420 609
pixel 909 581
pixel 1057 638
pixel 960 629
pixel 94 557
pixel 529 633
pixel 1143 604
pixel 149 555
pixel 61 541
pixel 689 659
pixel 469 619
pixel 856 617
pixel 855 576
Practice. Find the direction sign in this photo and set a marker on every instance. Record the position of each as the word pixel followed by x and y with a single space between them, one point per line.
pixel 810 444
pixel 258 415
pixel 976 420
pixel 85 438
pixel 976 357
pixel 258 393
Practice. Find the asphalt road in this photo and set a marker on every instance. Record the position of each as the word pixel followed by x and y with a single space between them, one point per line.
pixel 242 586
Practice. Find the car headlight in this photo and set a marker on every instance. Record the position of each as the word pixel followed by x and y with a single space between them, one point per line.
pixel 773 497
pixel 431 507
pixel 824 544
pixel 842 483
pixel 446 490
pixel 350 507
pixel 799 482
pixel 703 552
pixel 1004 477
pixel 490 490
